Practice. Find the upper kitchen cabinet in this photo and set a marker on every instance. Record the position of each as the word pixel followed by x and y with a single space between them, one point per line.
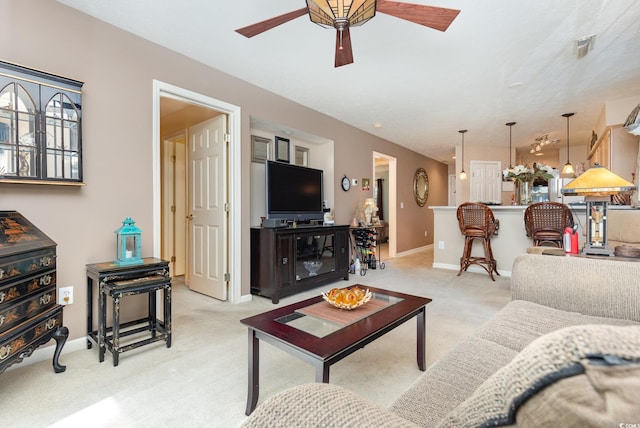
pixel 40 127
pixel 616 150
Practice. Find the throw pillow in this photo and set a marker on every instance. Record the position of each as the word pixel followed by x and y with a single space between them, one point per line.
pixel 565 353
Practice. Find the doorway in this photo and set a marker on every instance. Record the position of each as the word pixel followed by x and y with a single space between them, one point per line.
pixel 385 170
pixel 163 91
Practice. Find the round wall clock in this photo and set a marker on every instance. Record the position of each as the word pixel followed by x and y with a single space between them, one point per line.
pixel 421 187
pixel 346 183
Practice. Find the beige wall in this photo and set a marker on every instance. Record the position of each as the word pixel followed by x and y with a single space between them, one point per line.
pixel 118 70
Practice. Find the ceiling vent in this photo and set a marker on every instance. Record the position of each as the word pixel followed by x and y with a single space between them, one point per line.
pixel 584 45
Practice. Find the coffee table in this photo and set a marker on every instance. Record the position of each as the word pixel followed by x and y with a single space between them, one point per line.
pixel 316 332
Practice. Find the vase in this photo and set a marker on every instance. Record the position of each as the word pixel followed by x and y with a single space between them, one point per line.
pixel 523 192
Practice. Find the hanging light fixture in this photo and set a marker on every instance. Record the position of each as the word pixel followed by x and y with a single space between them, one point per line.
pixel 567 170
pixel 341 14
pixel 510 124
pixel 463 175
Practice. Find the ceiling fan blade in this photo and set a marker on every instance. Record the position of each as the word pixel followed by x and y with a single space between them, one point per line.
pixel 262 26
pixel 344 54
pixel 438 18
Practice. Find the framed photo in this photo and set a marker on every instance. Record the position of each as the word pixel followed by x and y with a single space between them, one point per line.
pixel 282 149
pixel 260 148
pixel 366 184
pixel 301 156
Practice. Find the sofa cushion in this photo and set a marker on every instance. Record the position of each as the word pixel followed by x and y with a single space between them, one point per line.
pixel 451 380
pixel 604 396
pixel 520 322
pixel 592 286
pixel 321 405
pixel 558 355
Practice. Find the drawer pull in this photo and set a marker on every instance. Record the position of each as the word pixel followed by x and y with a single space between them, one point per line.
pixel 45 299
pixel 5 351
pixel 45 280
pixel 1 273
pixel 50 324
pixel 2 295
pixel 2 318
pixel 45 261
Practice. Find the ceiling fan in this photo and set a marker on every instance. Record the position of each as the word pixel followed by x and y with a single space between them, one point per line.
pixel 343 14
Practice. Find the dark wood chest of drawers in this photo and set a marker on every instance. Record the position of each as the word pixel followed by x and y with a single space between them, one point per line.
pixel 29 314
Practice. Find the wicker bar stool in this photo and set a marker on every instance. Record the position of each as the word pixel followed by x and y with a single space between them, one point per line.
pixel 476 221
pixel 545 223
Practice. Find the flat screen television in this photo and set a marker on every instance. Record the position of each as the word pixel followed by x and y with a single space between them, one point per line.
pixel 293 192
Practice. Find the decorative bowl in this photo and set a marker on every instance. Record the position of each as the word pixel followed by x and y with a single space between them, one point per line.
pixel 347 298
pixel 313 266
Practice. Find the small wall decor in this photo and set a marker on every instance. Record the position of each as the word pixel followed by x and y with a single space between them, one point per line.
pixel 260 148
pixel 282 149
pixel 421 187
pixel 302 156
pixel 366 184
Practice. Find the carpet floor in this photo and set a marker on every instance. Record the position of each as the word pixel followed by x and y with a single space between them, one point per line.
pixel 202 379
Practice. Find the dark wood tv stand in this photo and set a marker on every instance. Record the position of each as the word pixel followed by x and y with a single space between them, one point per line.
pixel 281 258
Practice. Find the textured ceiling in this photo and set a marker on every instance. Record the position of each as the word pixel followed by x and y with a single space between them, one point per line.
pixel 499 61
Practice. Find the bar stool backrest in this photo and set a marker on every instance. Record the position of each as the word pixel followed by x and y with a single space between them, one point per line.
pixel 546 220
pixel 476 219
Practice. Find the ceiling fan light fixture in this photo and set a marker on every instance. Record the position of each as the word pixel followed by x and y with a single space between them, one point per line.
pixel 341 14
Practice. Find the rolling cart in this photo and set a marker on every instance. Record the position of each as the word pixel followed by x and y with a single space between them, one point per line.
pixel 364 242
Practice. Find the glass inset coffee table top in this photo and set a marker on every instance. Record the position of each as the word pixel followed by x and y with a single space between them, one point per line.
pixel 321 319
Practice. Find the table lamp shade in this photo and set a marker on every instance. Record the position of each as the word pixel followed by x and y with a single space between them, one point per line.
pixel 597 184
pixel 597 181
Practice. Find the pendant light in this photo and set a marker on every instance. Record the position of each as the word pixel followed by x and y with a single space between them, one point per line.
pixel 567 170
pixel 463 175
pixel 510 124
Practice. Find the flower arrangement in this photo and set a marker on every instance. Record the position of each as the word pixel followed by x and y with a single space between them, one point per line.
pixel 526 174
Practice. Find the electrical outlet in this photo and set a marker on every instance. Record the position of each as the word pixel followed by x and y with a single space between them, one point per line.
pixel 65 295
pixel 441 245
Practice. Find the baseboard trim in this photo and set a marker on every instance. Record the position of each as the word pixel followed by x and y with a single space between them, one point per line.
pixel 472 268
pixel 414 250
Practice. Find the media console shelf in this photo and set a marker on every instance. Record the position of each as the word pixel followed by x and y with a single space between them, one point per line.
pixel 286 261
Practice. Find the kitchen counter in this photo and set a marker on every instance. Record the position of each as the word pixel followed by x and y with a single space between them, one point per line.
pixel 511 240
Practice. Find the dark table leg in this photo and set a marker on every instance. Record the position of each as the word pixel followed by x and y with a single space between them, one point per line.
pixel 254 372
pixel 153 316
pixel 102 322
pixel 322 373
pixel 89 310
pixel 421 339
pixel 167 314
pixel 60 337
pixel 116 330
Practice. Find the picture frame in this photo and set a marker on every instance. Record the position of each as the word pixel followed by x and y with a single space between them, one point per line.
pixel 260 149
pixel 282 149
pixel 301 156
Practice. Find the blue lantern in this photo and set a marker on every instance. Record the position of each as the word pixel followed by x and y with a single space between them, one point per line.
pixel 128 248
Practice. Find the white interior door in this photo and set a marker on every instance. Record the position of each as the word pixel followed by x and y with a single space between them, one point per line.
pixel 207 216
pixel 452 190
pixel 174 203
pixel 486 181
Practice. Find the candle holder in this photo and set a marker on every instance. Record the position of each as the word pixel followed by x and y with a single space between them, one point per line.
pixel 128 247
